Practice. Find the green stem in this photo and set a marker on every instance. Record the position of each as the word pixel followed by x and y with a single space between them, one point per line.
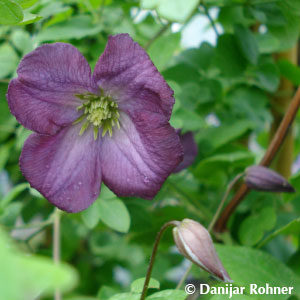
pixel 219 209
pixel 56 245
pixel 157 35
pixel 212 22
pixel 153 255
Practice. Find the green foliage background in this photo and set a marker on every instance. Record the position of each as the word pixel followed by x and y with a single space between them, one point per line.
pixel 224 93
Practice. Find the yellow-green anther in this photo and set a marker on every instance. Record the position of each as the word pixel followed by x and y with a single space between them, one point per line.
pixel 81 118
pixel 84 127
pixel 98 111
pixel 96 129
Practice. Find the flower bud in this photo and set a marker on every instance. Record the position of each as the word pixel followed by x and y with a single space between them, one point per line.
pixel 263 179
pixel 194 242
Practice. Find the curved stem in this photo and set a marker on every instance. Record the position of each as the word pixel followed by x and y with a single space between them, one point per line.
pixel 154 251
pixel 266 160
pixel 219 209
pixel 56 245
pixel 212 222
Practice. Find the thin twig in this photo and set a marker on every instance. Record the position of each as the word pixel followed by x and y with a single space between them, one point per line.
pixel 56 245
pixel 157 35
pixel 212 22
pixel 272 150
pixel 154 252
pixel 184 276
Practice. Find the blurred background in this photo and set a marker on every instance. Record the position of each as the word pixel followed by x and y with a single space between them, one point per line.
pixel 233 65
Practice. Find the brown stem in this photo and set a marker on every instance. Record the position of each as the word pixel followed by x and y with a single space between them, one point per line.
pixel 154 251
pixel 267 159
pixel 280 101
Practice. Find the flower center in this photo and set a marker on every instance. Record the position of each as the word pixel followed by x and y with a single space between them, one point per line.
pixel 98 111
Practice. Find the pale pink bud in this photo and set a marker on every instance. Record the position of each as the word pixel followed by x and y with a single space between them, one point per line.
pixel 194 242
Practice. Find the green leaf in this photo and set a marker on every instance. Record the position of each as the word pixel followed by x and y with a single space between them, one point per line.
pixel 267 43
pixel 30 18
pixel 181 73
pixel 198 58
pixel 253 227
pixel 42 276
pixel 91 216
pixel 80 298
pixel 60 17
pixel 162 50
pixel 229 58
pixel 234 297
pixel 267 76
pixel 113 212
pixel 247 43
pixel 7 121
pixel 248 266
pixel 168 294
pixel 294 262
pixel 249 103
pixel 289 70
pixel 13 194
pixel 76 28
pixel 215 137
pixel 11 213
pixel 187 120
pixel 138 284
pixel 26 3
pixel 8 60
pixel 210 167
pixel 172 10
pixel 125 296
pixel 105 292
pixel 10 13
pixel 290 228
pixel 288 33
pixel 149 4
pixel 22 41
pixel 4 154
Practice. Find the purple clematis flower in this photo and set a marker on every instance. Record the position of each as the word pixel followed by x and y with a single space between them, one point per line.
pixel 111 126
pixel 190 150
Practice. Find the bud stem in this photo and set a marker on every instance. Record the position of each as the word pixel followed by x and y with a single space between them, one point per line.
pixel 212 222
pixel 219 209
pixel 153 255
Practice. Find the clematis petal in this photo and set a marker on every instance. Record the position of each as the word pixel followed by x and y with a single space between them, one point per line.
pixel 42 97
pixel 190 150
pixel 65 168
pixel 139 156
pixel 126 72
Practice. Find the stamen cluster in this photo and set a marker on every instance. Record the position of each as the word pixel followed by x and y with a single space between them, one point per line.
pixel 99 111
